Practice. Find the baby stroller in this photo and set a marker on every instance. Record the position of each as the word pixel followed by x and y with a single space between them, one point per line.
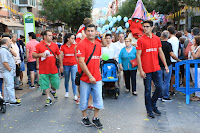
pixel 110 76
pixel 2 105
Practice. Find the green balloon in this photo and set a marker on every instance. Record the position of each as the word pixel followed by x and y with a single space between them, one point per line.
pixel 105 56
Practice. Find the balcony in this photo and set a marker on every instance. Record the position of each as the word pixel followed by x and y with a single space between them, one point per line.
pixel 27 3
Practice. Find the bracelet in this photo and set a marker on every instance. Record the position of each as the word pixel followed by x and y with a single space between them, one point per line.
pixel 90 77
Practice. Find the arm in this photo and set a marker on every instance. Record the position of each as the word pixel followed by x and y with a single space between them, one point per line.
pixel 27 54
pixel 120 61
pixel 38 55
pixel 85 70
pixel 103 44
pixel 37 63
pixel 13 52
pixel 195 55
pixel 6 65
pixel 162 57
pixel 61 62
pixel 142 73
pixel 174 56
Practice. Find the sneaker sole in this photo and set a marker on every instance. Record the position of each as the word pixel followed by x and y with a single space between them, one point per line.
pixel 157 114
pixel 48 104
pixel 86 125
pixel 167 100
pixel 14 104
pixel 96 126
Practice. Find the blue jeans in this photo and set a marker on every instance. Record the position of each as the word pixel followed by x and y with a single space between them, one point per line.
pixel 96 92
pixel 1 82
pixel 166 81
pixel 150 102
pixel 67 71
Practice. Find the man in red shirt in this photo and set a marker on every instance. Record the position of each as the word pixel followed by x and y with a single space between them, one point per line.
pixel 47 65
pixel 148 48
pixel 91 78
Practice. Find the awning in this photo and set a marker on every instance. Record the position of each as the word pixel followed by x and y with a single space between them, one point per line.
pixel 12 24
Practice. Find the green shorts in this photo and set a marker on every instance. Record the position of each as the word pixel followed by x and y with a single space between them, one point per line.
pixel 46 80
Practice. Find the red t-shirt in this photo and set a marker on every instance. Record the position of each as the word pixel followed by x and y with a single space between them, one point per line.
pixel 85 49
pixel 69 55
pixel 149 56
pixel 47 66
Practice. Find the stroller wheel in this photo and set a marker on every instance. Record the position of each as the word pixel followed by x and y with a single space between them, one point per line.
pixel 117 91
pixel 3 108
pixel 116 95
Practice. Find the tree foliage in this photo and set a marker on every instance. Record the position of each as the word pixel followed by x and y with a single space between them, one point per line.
pixel 71 12
pixel 161 6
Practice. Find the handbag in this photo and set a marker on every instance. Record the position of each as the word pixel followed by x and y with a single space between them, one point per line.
pixel 134 62
pixel 57 61
pixel 79 75
pixel 188 48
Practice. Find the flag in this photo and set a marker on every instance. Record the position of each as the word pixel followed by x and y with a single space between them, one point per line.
pixel 140 11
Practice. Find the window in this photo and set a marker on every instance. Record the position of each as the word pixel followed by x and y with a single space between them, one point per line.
pixel 14 1
pixel 23 1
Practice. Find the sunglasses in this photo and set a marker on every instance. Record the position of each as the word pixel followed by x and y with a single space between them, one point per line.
pixel 146 26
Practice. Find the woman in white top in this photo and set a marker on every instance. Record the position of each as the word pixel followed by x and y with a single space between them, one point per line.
pixel 111 48
pixel 195 54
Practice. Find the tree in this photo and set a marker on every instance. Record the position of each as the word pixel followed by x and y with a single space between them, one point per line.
pixel 71 12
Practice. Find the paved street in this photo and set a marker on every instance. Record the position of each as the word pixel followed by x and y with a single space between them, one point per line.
pixel 125 115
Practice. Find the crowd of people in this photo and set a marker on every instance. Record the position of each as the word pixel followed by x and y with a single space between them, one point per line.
pixel 63 56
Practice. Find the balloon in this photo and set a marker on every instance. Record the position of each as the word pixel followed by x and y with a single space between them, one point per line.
pixel 105 56
pixel 125 19
pixel 109 18
pixel 107 27
pixel 108 32
pixel 102 21
pixel 98 21
pixel 113 29
pixel 119 18
pixel 98 29
pixel 119 28
pixel 104 11
pixel 126 24
pixel 103 30
pixel 114 19
pixel 111 24
pixel 117 31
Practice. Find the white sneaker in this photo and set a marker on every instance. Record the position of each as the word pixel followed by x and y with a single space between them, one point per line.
pixel 67 94
pixel 75 97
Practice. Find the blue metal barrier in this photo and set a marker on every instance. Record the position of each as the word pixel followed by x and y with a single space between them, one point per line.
pixel 187 90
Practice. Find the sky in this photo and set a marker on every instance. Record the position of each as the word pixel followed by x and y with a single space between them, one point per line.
pixel 101 3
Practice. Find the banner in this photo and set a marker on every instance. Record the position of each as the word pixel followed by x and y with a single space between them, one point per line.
pixel 29 25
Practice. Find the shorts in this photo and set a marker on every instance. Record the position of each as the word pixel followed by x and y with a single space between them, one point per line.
pixel 31 66
pixel 95 90
pixel 49 79
pixel 173 68
pixel 22 66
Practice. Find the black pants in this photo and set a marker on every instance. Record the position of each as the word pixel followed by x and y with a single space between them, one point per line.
pixel 130 74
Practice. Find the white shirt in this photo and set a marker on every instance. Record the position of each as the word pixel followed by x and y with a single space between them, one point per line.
pixel 17 58
pixel 112 50
pixel 1 76
pixel 175 45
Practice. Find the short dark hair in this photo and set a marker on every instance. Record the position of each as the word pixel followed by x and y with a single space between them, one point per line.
pixel 188 29
pixel 171 29
pixel 5 35
pixel 42 33
pixel 67 35
pixel 45 32
pixel 90 26
pixel 197 39
pixel 32 35
pixel 87 21
pixel 195 31
pixel 179 34
pixel 148 21
pixel 108 35
pixel 54 37
pixel 158 34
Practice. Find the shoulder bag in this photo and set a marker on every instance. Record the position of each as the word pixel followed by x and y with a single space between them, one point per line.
pixel 57 61
pixel 79 75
